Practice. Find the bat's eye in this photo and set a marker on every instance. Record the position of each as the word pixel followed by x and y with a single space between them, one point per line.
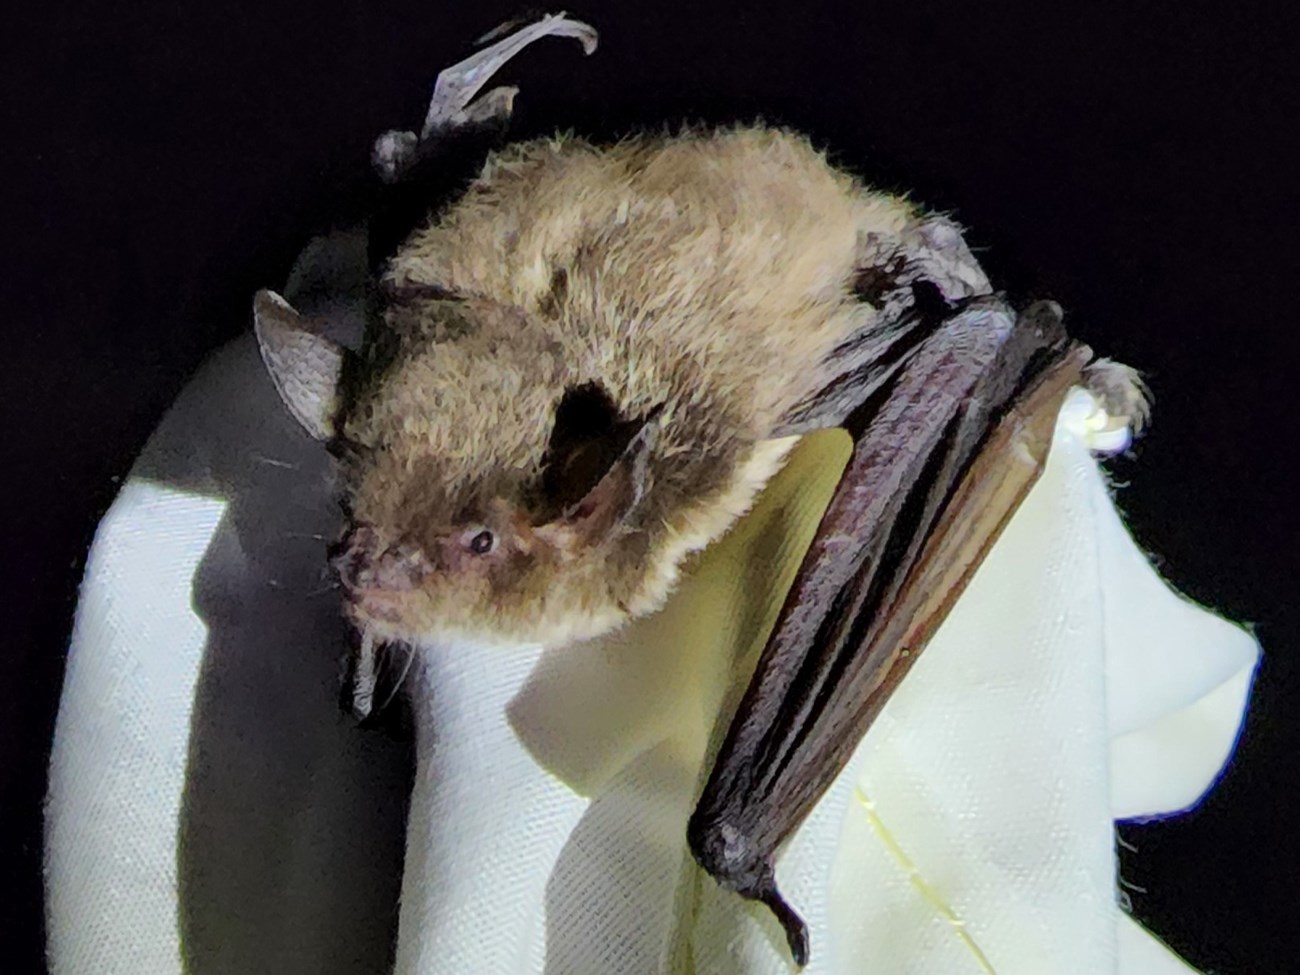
pixel 482 542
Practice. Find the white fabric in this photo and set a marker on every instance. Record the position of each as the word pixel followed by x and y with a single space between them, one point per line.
pixel 211 810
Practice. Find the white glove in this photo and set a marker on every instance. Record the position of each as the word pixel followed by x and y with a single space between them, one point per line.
pixel 209 801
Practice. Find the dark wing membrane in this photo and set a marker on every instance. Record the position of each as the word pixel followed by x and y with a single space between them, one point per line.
pixel 935 475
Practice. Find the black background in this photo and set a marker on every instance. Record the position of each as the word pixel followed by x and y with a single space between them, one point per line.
pixel 1132 160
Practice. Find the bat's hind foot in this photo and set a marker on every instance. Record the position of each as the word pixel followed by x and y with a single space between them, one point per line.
pixel 453 106
pixel 1122 405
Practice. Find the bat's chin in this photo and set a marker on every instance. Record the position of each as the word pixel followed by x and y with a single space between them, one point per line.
pixel 384 617
pixel 378 612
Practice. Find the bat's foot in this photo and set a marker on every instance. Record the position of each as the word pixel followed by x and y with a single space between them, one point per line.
pixel 1121 402
pixel 453 105
pixel 1121 392
pixel 1121 406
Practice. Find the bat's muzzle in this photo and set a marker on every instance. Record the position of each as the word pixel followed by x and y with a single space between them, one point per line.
pixel 374 575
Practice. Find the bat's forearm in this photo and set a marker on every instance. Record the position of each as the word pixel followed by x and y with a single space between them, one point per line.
pixel 925 473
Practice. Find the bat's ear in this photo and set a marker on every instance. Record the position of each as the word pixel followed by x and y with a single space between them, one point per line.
pixel 620 483
pixel 304 365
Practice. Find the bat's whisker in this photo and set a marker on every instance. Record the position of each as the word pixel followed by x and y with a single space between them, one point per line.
pixel 272 462
pixel 401 678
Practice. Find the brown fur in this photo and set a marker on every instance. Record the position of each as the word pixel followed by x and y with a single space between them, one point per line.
pixel 709 273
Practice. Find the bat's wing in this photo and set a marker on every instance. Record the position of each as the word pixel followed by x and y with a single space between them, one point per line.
pixel 943 461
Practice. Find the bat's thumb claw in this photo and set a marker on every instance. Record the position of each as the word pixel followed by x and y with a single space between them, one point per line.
pixel 796 931
pixel 731 858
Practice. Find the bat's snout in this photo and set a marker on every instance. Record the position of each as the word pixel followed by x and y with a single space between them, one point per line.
pixel 373 573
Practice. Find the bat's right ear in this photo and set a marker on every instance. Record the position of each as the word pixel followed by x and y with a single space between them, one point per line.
pixel 304 365
pixel 614 495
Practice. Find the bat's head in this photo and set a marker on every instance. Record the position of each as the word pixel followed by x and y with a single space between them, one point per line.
pixel 486 499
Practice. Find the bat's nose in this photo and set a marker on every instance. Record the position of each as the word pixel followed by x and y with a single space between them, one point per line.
pixel 364 563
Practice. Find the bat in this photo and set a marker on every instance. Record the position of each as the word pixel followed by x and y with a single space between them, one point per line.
pixel 584 362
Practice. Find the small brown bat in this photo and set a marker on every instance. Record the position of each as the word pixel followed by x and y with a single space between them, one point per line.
pixel 585 364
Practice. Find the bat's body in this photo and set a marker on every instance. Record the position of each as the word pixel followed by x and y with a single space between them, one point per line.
pixel 588 363
pixel 709 277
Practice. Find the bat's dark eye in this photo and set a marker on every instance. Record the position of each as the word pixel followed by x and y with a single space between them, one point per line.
pixel 482 543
